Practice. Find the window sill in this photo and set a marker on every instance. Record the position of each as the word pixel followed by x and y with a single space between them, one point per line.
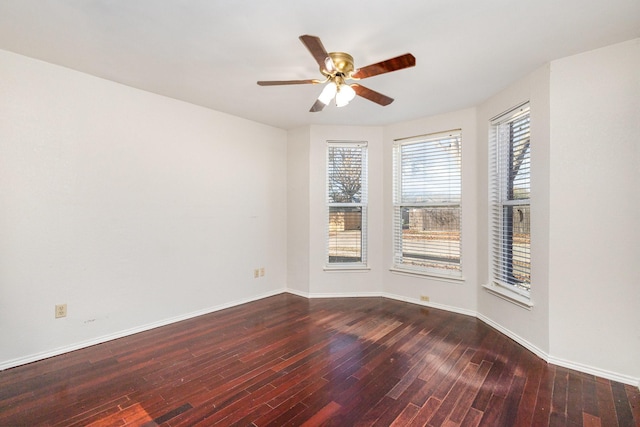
pixel 510 296
pixel 347 268
pixel 426 274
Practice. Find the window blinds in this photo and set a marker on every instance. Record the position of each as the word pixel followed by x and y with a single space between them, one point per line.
pixel 346 203
pixel 427 196
pixel 510 200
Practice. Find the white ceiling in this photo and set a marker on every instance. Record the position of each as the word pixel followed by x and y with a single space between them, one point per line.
pixel 212 52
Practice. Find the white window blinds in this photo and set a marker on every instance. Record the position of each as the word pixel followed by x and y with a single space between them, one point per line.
pixel 347 203
pixel 510 200
pixel 427 203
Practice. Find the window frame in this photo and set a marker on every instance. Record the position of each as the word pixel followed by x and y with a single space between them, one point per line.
pixel 502 178
pixel 362 205
pixel 440 269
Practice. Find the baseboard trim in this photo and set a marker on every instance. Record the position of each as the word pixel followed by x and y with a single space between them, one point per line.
pixel 384 295
pixel 517 338
pixel 121 334
pixel 602 373
pixel 311 295
pixel 298 293
pixel 613 376
pixel 346 295
pixel 416 301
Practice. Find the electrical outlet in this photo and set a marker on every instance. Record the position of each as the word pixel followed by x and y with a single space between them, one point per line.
pixel 256 273
pixel 261 271
pixel 61 310
pixel 424 298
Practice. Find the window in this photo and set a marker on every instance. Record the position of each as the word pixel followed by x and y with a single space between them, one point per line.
pixel 427 212
pixel 347 204
pixel 510 203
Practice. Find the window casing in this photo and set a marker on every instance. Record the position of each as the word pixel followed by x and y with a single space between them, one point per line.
pixel 346 204
pixel 427 187
pixel 510 167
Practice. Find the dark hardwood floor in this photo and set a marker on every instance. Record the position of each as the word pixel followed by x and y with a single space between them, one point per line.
pixel 286 360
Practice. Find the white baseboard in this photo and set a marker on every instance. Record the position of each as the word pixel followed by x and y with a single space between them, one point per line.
pixel 517 338
pixel 445 307
pixel 311 295
pixel 121 334
pixel 384 295
pixel 613 376
pixel 298 293
pixel 346 295
pixel 602 373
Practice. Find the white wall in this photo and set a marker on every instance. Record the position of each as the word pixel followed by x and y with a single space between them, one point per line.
pixel 529 327
pixel 457 296
pixel 298 227
pixel 595 210
pixel 132 208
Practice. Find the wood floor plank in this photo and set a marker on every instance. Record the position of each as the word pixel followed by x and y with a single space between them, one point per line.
pixel 93 414
pixel 405 417
pixel 633 396
pixel 497 358
pixel 426 411
pixel 574 396
pixel 621 403
pixel 437 373
pixel 388 410
pixel 420 360
pixel 472 418
pixel 543 399
pixel 322 415
pixel 512 401
pixel 366 393
pixel 508 363
pixel 590 397
pixel 492 413
pixel 451 399
pixel 527 404
pixel 606 406
pixel 589 420
pixel 291 361
pixel 464 404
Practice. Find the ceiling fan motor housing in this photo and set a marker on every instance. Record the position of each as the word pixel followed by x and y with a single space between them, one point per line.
pixel 343 63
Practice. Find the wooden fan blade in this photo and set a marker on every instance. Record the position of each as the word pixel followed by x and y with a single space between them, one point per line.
pixel 317 106
pixel 371 95
pixel 314 45
pixel 287 82
pixel 394 64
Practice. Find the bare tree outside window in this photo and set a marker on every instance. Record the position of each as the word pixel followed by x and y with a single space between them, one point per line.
pixel 510 200
pixel 346 200
pixel 345 175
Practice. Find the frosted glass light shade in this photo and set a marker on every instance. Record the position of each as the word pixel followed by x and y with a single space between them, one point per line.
pixel 345 95
pixel 328 93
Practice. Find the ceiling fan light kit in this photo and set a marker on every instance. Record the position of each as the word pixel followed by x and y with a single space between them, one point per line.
pixel 337 67
pixel 345 95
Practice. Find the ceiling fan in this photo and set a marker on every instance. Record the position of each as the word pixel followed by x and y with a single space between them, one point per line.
pixel 337 68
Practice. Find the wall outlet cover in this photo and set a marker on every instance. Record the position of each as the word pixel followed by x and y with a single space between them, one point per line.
pixel 61 310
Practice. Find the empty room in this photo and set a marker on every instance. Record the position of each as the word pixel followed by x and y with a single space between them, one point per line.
pixel 413 213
